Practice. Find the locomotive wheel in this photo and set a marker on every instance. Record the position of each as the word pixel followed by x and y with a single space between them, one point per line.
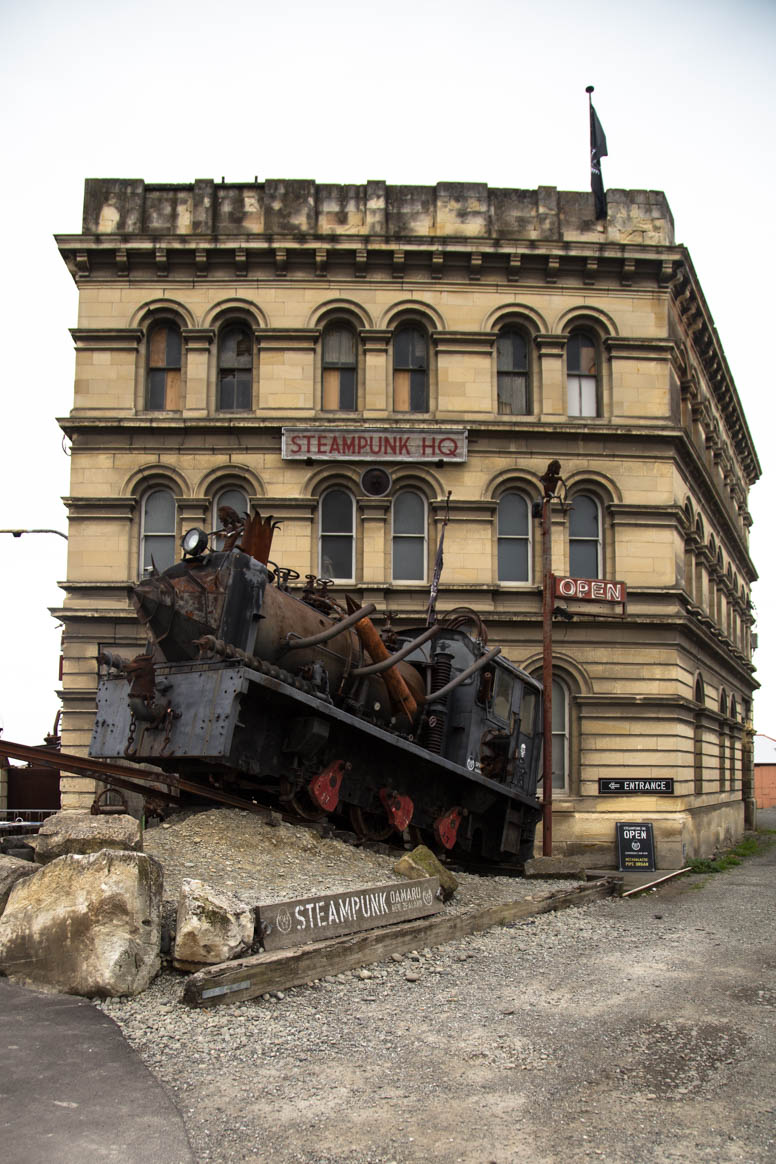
pixel 369 826
pixel 303 806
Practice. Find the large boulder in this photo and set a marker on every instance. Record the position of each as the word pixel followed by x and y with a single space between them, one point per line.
pixel 80 832
pixel 12 869
pixel 88 925
pixel 212 926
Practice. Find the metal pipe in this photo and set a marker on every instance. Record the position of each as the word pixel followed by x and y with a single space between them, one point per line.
pixel 475 667
pixel 384 664
pixel 330 632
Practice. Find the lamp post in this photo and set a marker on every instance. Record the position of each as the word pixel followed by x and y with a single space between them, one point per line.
pixel 17 533
pixel 549 481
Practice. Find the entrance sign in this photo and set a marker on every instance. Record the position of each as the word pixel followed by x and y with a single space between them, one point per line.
pixel 374 444
pixel 635 847
pixel 619 786
pixel 591 589
pixel 310 919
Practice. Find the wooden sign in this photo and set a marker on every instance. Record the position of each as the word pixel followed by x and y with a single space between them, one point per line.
pixel 310 919
pixel 591 589
pixel 635 847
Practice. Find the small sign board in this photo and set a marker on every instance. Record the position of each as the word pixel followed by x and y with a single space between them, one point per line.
pixel 620 786
pixel 591 589
pixel 635 847
pixel 311 919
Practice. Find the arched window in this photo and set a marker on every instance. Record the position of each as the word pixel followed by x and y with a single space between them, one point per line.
pixel 163 380
pixel 514 538
pixel 700 697
pixel 582 374
pixel 235 368
pixel 512 362
pixel 560 735
pixel 232 498
pixel 157 531
pixel 337 536
pixel 410 369
pixel 339 369
pixel 585 538
pixel 409 537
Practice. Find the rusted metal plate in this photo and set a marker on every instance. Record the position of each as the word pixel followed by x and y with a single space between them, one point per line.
pixel 310 919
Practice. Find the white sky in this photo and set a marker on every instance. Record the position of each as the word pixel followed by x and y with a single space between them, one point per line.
pixel 410 92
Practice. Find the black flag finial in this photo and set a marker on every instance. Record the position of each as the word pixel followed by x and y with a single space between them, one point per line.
pixel 597 151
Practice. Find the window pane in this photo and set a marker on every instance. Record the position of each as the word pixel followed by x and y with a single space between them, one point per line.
pixel 513 515
pixel 157 389
pixel 408 562
pixel 235 499
pixel 173 347
pixel 512 560
pixel 583 518
pixel 347 392
pixel 559 761
pixel 409 348
pixel 243 389
pixel 418 394
pixel 159 514
pixel 337 556
pixel 583 559
pixel 588 396
pixel 337 513
pixel 331 389
pixel 502 695
pixel 226 392
pixel 236 349
pixel 512 396
pixel 581 355
pixel 339 347
pixel 158 551
pixel 558 707
pixel 409 514
pixel 574 396
pixel 511 352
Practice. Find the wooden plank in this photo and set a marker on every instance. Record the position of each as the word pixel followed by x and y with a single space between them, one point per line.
pixel 280 969
pixel 329 915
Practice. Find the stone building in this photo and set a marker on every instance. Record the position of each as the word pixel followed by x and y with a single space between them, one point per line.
pixel 276 345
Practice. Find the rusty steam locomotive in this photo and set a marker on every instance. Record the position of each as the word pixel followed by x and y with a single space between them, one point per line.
pixel 297 700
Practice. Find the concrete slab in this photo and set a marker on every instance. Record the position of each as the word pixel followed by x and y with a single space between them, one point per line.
pixel 71 1087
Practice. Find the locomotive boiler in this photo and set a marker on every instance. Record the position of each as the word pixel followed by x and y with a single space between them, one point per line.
pixel 299 700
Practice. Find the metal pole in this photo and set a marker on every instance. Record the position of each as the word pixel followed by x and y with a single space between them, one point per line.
pixel 547 604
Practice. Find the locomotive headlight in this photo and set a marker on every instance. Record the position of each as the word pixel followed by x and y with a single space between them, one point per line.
pixel 194 542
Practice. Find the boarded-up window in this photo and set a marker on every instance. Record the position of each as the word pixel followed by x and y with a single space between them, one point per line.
pixel 512 360
pixel 339 369
pixel 582 378
pixel 235 369
pixel 163 386
pixel 410 370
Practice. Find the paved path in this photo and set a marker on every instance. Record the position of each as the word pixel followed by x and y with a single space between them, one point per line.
pixel 72 1089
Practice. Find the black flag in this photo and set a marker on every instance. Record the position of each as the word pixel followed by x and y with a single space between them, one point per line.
pixel 597 151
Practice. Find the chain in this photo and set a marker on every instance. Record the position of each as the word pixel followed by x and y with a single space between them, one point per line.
pixel 131 749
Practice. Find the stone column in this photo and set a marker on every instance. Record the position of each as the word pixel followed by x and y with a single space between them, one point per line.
pixel 550 398
pixel 377 389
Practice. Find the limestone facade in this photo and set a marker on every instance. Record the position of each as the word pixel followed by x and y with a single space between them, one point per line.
pixel 266 343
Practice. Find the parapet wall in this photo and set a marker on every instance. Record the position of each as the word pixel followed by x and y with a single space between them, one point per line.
pixel 304 208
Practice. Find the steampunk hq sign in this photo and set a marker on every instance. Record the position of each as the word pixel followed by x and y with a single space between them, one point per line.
pixel 374 444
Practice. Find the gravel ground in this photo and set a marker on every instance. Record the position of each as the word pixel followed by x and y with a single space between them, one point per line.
pixel 628 1030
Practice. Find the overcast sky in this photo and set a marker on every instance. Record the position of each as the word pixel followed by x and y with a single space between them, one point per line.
pixel 410 92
